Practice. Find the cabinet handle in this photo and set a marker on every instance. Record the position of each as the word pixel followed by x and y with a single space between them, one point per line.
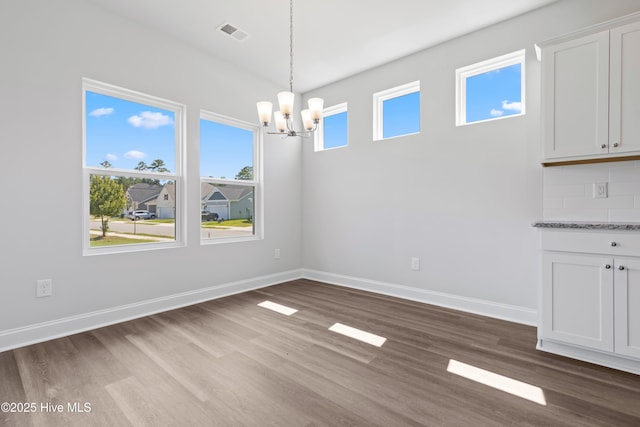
pixel 621 267
pixel 615 144
pixel 607 266
pixel 603 146
pixel 614 244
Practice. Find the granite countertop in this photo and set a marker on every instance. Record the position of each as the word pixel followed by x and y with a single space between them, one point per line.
pixel 631 226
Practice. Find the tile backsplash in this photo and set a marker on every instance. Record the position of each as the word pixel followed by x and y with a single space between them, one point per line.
pixel 568 192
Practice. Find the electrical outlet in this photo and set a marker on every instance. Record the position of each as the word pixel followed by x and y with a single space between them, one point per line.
pixel 599 190
pixel 44 288
pixel 276 254
pixel 415 264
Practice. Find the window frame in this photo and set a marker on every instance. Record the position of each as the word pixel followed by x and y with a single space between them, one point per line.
pixel 256 182
pixel 179 111
pixel 318 140
pixel 486 66
pixel 378 107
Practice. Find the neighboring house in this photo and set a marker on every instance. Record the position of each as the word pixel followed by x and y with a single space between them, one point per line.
pixel 228 201
pixel 166 201
pixel 143 196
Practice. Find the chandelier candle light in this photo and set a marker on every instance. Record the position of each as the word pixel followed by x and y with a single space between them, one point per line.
pixel 283 121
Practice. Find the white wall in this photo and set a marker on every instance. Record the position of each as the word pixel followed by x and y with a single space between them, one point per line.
pixel 462 199
pixel 47 48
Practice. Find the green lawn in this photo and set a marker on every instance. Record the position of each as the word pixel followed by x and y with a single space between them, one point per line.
pixel 228 223
pixel 97 241
pixel 161 221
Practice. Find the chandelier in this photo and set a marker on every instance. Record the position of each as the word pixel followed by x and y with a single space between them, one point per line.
pixel 283 118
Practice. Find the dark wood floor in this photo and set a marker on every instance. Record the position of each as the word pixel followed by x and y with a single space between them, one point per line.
pixel 229 362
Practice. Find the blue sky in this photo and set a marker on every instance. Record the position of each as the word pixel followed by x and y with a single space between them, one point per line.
pixel 125 133
pixel 490 95
pixel 335 130
pixel 224 149
pixel 494 94
pixel 401 115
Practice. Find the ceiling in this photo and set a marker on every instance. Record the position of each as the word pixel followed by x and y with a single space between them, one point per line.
pixel 332 39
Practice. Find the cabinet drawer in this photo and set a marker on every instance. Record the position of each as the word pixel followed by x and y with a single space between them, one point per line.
pixel 592 241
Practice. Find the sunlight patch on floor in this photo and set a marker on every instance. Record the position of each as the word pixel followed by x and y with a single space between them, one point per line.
pixel 358 334
pixel 282 309
pixel 499 382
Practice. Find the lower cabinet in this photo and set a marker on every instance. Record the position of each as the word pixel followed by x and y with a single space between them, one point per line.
pixel 578 300
pixel 627 306
pixel 590 300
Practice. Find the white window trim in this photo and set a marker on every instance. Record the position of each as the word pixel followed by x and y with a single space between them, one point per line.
pixel 258 205
pixel 177 177
pixel 482 67
pixel 378 100
pixel 318 139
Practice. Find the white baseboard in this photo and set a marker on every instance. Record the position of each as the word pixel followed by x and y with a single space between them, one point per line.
pixel 511 313
pixel 19 337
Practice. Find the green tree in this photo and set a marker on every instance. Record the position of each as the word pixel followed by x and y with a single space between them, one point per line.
pixel 158 166
pixel 126 182
pixel 245 174
pixel 106 199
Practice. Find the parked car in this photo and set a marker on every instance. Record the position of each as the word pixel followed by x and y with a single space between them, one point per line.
pixel 208 216
pixel 141 214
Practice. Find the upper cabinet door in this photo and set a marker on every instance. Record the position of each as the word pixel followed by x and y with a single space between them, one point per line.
pixel 575 93
pixel 624 132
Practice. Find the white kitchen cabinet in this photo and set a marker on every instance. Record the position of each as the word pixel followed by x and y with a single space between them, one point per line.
pixel 578 299
pixel 624 97
pixel 591 93
pixel 575 85
pixel 627 306
pixel 590 296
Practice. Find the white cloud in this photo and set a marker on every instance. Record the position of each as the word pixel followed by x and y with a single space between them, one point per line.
pixel 150 120
pixel 111 157
pixel 135 155
pixel 496 113
pixel 99 112
pixel 512 106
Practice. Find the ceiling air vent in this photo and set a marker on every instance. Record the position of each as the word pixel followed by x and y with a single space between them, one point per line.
pixel 233 31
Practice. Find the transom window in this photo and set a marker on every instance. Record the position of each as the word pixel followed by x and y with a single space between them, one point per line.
pixel 396 111
pixel 229 178
pixel 132 178
pixel 491 89
pixel 332 132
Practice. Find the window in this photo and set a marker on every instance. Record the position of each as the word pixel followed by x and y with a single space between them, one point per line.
pixel 132 148
pixel 492 89
pixel 332 132
pixel 396 111
pixel 229 178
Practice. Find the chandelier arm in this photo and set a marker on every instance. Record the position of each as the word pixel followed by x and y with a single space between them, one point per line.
pixel 290 125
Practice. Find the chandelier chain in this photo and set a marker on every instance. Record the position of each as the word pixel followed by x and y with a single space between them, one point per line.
pixel 290 45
